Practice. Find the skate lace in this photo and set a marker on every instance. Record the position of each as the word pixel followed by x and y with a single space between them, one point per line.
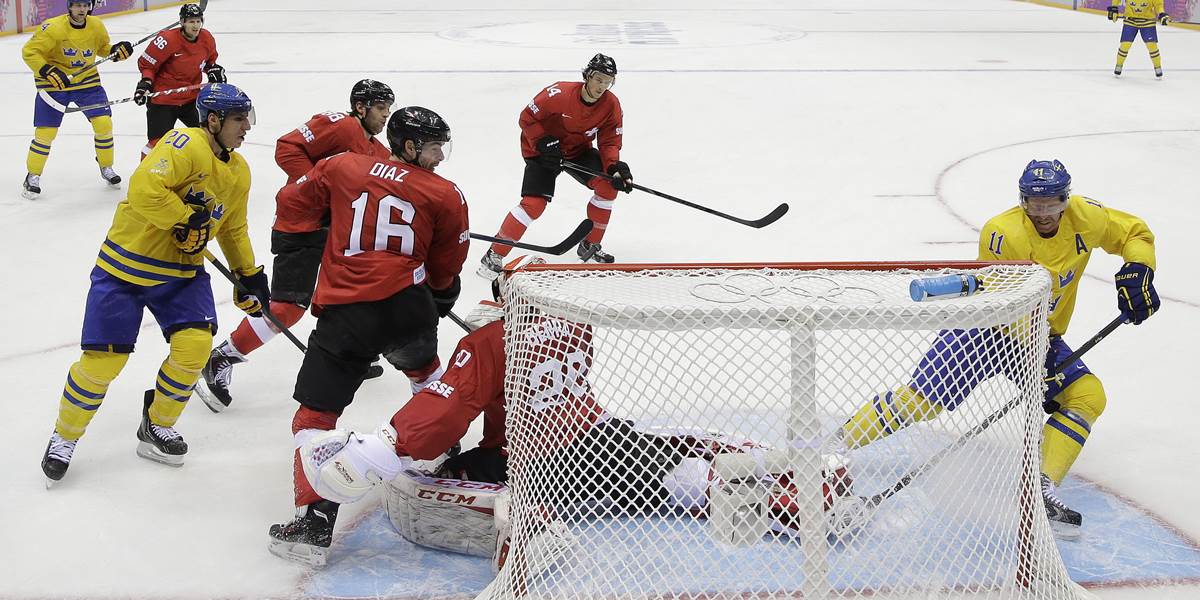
pixel 61 449
pixel 34 180
pixel 165 434
pixel 1049 495
pixel 492 260
pixel 222 366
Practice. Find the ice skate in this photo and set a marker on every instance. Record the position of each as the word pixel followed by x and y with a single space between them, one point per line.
pixel 110 176
pixel 1117 71
pixel 306 539
pixel 490 265
pixel 1158 73
pixel 32 187
pixel 589 252
pixel 57 458
pixel 216 374
pixel 157 443
pixel 1065 522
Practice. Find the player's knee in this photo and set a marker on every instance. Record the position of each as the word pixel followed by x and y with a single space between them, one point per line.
pixel 912 406
pixel 190 347
pixel 102 125
pixel 309 418
pixel 45 135
pixel 604 188
pixel 1085 397
pixel 101 367
pixel 416 353
pixel 533 206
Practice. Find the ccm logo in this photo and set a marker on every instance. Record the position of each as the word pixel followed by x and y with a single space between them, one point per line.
pixel 447 497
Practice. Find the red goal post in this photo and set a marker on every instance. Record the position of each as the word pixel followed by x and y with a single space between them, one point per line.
pixel 608 366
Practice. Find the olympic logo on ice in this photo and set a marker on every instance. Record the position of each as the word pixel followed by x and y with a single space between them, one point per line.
pixel 736 288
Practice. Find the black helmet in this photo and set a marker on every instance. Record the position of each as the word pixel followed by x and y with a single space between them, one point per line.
pixel 369 91
pixel 417 124
pixel 600 63
pixel 188 11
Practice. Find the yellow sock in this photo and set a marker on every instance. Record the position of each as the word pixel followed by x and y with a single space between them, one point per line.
pixel 1154 55
pixel 102 127
pixel 886 414
pixel 178 374
pixel 1123 53
pixel 1067 430
pixel 87 382
pixel 39 149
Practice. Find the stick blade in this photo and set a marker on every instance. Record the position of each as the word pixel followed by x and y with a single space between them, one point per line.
pixel 771 217
pixel 585 227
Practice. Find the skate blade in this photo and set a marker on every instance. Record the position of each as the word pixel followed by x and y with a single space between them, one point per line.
pixel 305 554
pixel 1066 532
pixel 50 483
pixel 148 451
pixel 30 195
pixel 212 402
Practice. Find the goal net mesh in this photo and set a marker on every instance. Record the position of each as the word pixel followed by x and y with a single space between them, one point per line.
pixel 685 432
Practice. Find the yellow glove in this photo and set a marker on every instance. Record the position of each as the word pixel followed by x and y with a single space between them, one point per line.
pixel 255 282
pixel 193 236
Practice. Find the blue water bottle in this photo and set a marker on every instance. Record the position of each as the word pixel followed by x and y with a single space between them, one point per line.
pixel 963 284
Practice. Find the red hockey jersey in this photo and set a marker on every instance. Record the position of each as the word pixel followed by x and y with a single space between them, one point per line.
pixel 322 136
pixel 392 225
pixel 552 371
pixel 560 111
pixel 172 61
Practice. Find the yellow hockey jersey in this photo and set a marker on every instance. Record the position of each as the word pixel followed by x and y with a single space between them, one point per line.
pixel 140 246
pixel 59 43
pixel 1085 225
pixel 1141 13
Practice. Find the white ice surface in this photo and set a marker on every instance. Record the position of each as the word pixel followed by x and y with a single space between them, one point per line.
pixel 894 129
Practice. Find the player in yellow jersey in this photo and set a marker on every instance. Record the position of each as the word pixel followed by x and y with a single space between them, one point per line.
pixel 61 46
pixel 192 187
pixel 1058 231
pixel 1140 18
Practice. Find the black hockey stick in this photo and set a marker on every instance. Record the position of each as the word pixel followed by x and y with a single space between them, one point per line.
pixel 266 311
pixel 917 471
pixel 585 227
pixel 129 99
pixel 203 5
pixel 461 323
pixel 771 217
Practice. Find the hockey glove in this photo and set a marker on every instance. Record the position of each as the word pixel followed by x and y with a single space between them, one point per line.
pixel 123 50
pixel 622 178
pixel 255 282
pixel 484 313
pixel 444 299
pixel 550 152
pixel 191 237
pixel 1136 297
pixel 1112 13
pixel 216 73
pixel 1164 19
pixel 143 88
pixel 489 465
pixel 54 76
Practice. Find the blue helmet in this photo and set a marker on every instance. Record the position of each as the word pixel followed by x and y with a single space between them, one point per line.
pixel 222 98
pixel 1045 178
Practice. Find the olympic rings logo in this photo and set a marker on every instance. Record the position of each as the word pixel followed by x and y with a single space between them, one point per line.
pixel 744 287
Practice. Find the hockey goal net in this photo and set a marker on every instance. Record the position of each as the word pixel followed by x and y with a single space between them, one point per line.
pixel 679 431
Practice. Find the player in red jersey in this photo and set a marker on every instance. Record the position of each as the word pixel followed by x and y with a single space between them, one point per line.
pixel 398 236
pixel 559 124
pixel 176 58
pixel 297 250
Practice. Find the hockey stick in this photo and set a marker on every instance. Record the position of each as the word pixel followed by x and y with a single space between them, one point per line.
pixel 585 227
pixel 877 499
pixel 203 5
pixel 266 311
pixel 771 217
pixel 461 323
pixel 129 99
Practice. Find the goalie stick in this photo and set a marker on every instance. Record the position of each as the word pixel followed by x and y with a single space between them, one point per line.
pixel 129 99
pixel 203 4
pixel 266 310
pixel 581 231
pixel 771 217
pixel 877 499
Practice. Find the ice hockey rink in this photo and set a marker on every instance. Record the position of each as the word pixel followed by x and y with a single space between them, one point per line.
pixel 893 129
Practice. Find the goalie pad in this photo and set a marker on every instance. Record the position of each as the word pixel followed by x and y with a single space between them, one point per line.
pixel 343 466
pixel 447 514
